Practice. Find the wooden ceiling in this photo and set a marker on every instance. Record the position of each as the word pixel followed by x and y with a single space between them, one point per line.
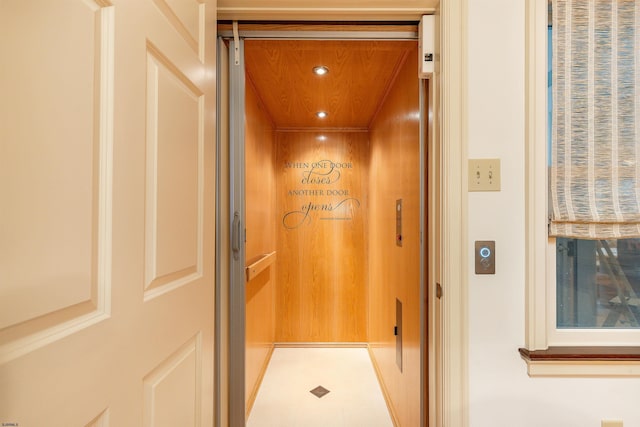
pixel 359 74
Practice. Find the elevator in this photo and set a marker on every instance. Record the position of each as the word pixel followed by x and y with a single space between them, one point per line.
pixel 327 189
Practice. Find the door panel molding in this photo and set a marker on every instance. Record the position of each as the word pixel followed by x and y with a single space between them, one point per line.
pixel 175 379
pixel 101 420
pixel 37 319
pixel 187 21
pixel 174 185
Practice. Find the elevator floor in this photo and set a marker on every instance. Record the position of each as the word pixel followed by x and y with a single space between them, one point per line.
pixel 320 387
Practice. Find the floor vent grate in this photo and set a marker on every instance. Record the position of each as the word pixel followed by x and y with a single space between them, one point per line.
pixel 319 391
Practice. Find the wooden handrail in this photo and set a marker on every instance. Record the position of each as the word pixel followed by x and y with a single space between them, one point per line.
pixel 260 264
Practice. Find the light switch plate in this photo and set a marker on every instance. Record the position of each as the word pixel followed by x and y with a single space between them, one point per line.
pixel 484 174
pixel 611 423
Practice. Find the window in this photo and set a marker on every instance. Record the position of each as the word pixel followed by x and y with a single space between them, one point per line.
pixel 594 176
pixel 592 169
pixel 597 283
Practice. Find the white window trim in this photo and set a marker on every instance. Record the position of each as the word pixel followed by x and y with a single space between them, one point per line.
pixel 540 294
pixel 453 215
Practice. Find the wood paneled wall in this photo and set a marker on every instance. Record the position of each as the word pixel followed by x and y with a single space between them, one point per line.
pixel 260 224
pixel 394 271
pixel 321 291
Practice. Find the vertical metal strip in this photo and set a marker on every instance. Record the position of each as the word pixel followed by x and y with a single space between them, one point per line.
pixel 237 208
pixel 222 233
pixel 423 244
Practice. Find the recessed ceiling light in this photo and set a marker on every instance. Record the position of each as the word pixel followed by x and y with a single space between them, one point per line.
pixel 321 114
pixel 320 70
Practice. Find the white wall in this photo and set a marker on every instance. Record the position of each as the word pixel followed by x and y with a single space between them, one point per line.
pixel 500 392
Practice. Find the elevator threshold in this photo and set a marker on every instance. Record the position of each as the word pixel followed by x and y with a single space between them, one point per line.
pixel 308 385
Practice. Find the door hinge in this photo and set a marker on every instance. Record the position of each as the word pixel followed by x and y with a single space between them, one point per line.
pixel 438 290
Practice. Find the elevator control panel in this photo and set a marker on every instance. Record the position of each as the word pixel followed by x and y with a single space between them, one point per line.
pixel 485 257
pixel 399 222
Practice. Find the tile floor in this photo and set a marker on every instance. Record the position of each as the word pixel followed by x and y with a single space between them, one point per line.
pixel 354 398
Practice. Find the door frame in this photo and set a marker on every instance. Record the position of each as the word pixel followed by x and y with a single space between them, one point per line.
pixel 446 256
pixel 231 298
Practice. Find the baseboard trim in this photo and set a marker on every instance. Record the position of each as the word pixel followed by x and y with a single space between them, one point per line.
pixel 254 392
pixel 383 387
pixel 320 345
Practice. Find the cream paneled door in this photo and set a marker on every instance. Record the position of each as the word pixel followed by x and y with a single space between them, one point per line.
pixel 107 145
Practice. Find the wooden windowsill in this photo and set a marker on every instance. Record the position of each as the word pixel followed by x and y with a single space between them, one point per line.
pixel 583 361
pixel 582 353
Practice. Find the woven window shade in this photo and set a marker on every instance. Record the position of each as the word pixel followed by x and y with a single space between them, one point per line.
pixel 595 170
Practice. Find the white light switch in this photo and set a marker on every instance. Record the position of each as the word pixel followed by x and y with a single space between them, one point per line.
pixel 484 174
